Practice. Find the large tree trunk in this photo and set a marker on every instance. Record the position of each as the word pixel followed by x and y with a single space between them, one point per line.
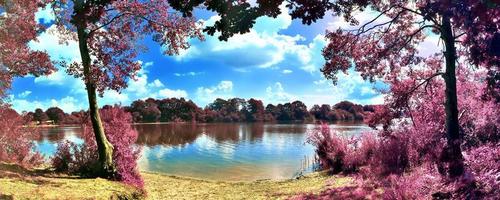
pixel 452 153
pixel 104 147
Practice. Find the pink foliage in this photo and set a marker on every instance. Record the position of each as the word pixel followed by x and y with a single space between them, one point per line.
pixel 18 28
pixel 407 151
pixel 484 163
pixel 416 185
pixel 83 159
pixel 342 154
pixel 330 148
pixel 114 30
pixel 16 141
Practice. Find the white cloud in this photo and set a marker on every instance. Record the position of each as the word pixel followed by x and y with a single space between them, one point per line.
pixel 205 95
pixel 276 94
pixel 362 17
pixel 142 88
pixel 430 45
pixel 68 104
pixel 168 93
pixel 24 94
pixel 156 83
pixel 188 74
pixel 349 87
pixel 286 71
pixel 262 47
pixel 46 14
pixel 50 41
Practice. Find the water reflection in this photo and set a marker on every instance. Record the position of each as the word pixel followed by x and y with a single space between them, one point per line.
pixel 47 143
pixel 236 151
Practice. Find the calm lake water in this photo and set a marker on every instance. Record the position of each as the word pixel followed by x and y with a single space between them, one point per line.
pixel 238 152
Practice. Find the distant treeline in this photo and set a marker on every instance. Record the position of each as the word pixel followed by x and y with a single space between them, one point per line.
pixel 231 110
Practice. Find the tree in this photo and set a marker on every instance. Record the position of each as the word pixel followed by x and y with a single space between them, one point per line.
pixel 18 27
pixel 40 116
pixel 56 114
pixel 16 140
pixel 107 32
pixel 386 46
pixel 255 110
pixel 299 110
pixel 381 49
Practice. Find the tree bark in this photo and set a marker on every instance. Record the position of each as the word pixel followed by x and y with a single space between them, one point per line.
pixel 104 147
pixel 452 153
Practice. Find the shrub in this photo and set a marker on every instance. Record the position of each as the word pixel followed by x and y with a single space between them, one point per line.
pixel 63 157
pixel 16 141
pixel 82 159
pixel 341 154
pixel 391 156
pixel 415 185
pixel 484 163
pixel 330 148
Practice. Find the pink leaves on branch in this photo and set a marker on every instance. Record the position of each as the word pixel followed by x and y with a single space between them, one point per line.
pixel 118 129
pixel 16 141
pixel 386 47
pixel 83 159
pixel 115 30
pixel 18 27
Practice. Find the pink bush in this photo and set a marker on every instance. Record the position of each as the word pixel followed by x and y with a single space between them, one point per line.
pixel 418 184
pixel 63 157
pixel 405 157
pixel 342 154
pixel 484 163
pixel 16 141
pixel 331 149
pixel 120 134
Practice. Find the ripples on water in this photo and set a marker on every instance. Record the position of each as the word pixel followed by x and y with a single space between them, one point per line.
pixel 244 151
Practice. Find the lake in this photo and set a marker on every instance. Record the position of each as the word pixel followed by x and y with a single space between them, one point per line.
pixel 217 151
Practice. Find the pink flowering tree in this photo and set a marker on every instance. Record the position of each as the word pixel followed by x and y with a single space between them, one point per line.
pixel 16 141
pixel 107 32
pixel 385 47
pixel 18 27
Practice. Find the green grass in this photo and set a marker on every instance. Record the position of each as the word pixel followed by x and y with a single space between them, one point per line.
pixel 20 183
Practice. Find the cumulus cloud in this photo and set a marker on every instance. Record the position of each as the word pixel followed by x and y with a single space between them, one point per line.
pixel 24 94
pixel 286 71
pixel 140 88
pixel 68 104
pixel 168 93
pixel 45 14
pixel 262 47
pixel 350 87
pixel 276 94
pixel 49 41
pixel 205 95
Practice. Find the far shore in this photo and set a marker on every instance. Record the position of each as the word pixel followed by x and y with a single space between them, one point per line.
pixel 158 123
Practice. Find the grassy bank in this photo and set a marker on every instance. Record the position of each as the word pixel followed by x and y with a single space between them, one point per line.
pixel 20 183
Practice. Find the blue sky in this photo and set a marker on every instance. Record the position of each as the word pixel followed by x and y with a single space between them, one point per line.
pixel 277 62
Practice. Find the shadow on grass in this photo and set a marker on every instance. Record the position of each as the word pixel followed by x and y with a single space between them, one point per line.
pixel 6 197
pixel 8 170
pixel 340 193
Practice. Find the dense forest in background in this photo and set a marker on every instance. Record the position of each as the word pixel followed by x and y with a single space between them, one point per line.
pixel 221 110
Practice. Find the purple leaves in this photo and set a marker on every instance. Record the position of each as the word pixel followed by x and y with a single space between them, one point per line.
pixel 83 159
pixel 16 141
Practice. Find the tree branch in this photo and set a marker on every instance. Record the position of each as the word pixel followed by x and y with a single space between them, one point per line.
pixel 108 23
pixel 425 81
